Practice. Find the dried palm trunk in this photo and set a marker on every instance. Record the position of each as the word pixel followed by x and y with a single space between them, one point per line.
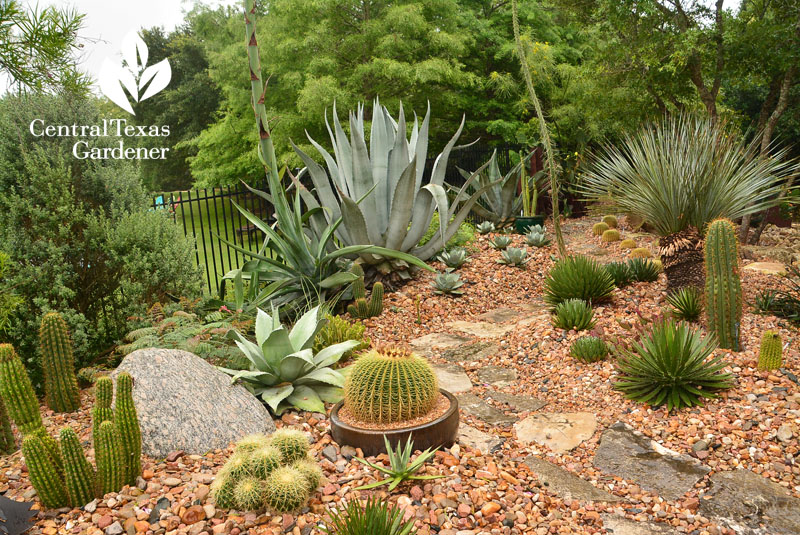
pixel 682 256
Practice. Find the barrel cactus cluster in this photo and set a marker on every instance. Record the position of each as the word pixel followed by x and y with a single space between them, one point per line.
pixel 390 385
pixel 361 307
pixel 275 472
pixel 723 285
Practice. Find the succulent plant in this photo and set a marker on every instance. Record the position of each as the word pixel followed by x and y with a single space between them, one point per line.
pixel 535 238
pixel 723 286
pixel 577 277
pixel 588 349
pixel 7 442
pixel 44 473
pixel 127 422
pixel 17 392
pixel 573 314
pixel 500 242
pixel 249 494
pixel 291 443
pixel 599 228
pixel 671 365
pixel 620 273
pixel 610 220
pixel 447 283
pixel 640 252
pixel 485 227
pixel 58 364
pixel 611 235
pixel 284 371
pixel 770 356
pixel 110 457
pixel 251 443
pixel 79 476
pixel 399 468
pixel 361 307
pixel 223 488
pixel 377 517
pixel 337 330
pixel 286 490
pixel 311 472
pixel 454 258
pixel 514 256
pixel 103 395
pixel 390 385
pixel 643 269
pixel 628 243
pixel 686 303
pixel 237 465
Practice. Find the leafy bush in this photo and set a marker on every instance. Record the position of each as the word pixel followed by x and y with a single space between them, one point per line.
pixel 671 365
pixel 588 349
pixel 463 236
pixel 577 277
pixel 687 303
pixel 79 233
pixel 573 314
pixel 9 301
pixel 376 518
pixel 643 269
pixel 620 272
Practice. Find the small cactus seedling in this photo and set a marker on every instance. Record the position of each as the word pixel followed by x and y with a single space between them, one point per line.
pixel 599 228
pixel 286 490
pixel 292 443
pixel 771 355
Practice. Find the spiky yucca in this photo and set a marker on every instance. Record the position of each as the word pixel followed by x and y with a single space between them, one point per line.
pixel 611 235
pixel 686 303
pixel 292 443
pixel 577 277
pixel 79 475
pixel 723 286
pixel 390 385
pixel 286 490
pixel 127 423
pixel 628 243
pixel 620 273
pixel 573 314
pixel 643 269
pixel 44 473
pixel 610 220
pixel 771 355
pixel 599 228
pixel 17 391
pixel 640 252
pixel 103 395
pixel 58 364
pixel 588 349
pixel 110 456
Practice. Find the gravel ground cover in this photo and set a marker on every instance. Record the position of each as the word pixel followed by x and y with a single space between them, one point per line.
pixel 753 426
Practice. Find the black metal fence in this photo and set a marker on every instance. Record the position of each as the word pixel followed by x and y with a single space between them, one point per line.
pixel 210 216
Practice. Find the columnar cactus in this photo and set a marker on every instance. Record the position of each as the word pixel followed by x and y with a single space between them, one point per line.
pixel 17 391
pixel 103 395
pixel 723 286
pixel 110 458
pixel 58 364
pixel 127 423
pixel 390 385
pixel 7 443
pixel 43 472
pixel 79 475
pixel 376 300
pixel 771 355
pixel 361 307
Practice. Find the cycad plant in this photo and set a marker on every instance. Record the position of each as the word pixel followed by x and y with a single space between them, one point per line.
pixel 682 173
pixel 578 277
pixel 378 191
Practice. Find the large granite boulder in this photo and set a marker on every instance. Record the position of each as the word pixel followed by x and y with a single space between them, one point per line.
pixel 185 403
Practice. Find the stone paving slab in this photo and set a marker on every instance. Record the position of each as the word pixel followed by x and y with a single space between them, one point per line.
pixel 425 344
pixel 475 406
pixel 471 351
pixel 482 329
pixel 619 525
pixel 515 402
pixel 566 484
pixel 477 439
pixel 559 431
pixel 498 376
pixel 452 378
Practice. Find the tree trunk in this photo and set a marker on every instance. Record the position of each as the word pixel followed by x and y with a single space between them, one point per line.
pixel 682 257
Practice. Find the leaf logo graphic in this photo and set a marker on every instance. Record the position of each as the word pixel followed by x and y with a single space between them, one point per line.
pixel 140 81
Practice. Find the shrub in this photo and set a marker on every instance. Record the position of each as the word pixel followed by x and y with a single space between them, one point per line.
pixel 463 236
pixel 599 228
pixel 573 314
pixel 577 277
pixel 588 349
pixel 620 272
pixel 671 365
pixel 611 235
pixel 686 303
pixel 643 269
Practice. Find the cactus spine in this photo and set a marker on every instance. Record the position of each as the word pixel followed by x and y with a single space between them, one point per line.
pixel 361 308
pixel 78 473
pixel 723 286
pixel 127 424
pixel 44 473
pixel 7 443
pixel 110 458
pixel 17 391
pixel 390 385
pixel 771 355
pixel 58 364
pixel 101 412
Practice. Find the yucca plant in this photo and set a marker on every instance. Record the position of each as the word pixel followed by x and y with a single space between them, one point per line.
pixel 500 242
pixel 620 273
pixel 536 238
pixel 377 517
pixel 643 269
pixel 671 365
pixel 514 256
pixel 686 303
pixel 454 258
pixel 284 371
pixel 573 314
pixel 447 283
pixel 377 190
pixel 682 173
pixel 399 468
pixel 485 227
pixel 577 277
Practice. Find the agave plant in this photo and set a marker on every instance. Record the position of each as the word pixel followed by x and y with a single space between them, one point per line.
pixel 399 468
pixel 620 272
pixel 485 227
pixel 514 256
pixel 687 303
pixel 573 314
pixel 379 193
pixel 500 242
pixel 454 258
pixel 447 284
pixel 536 238
pixel 284 370
pixel 578 277
pixel 500 203
pixel 681 174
